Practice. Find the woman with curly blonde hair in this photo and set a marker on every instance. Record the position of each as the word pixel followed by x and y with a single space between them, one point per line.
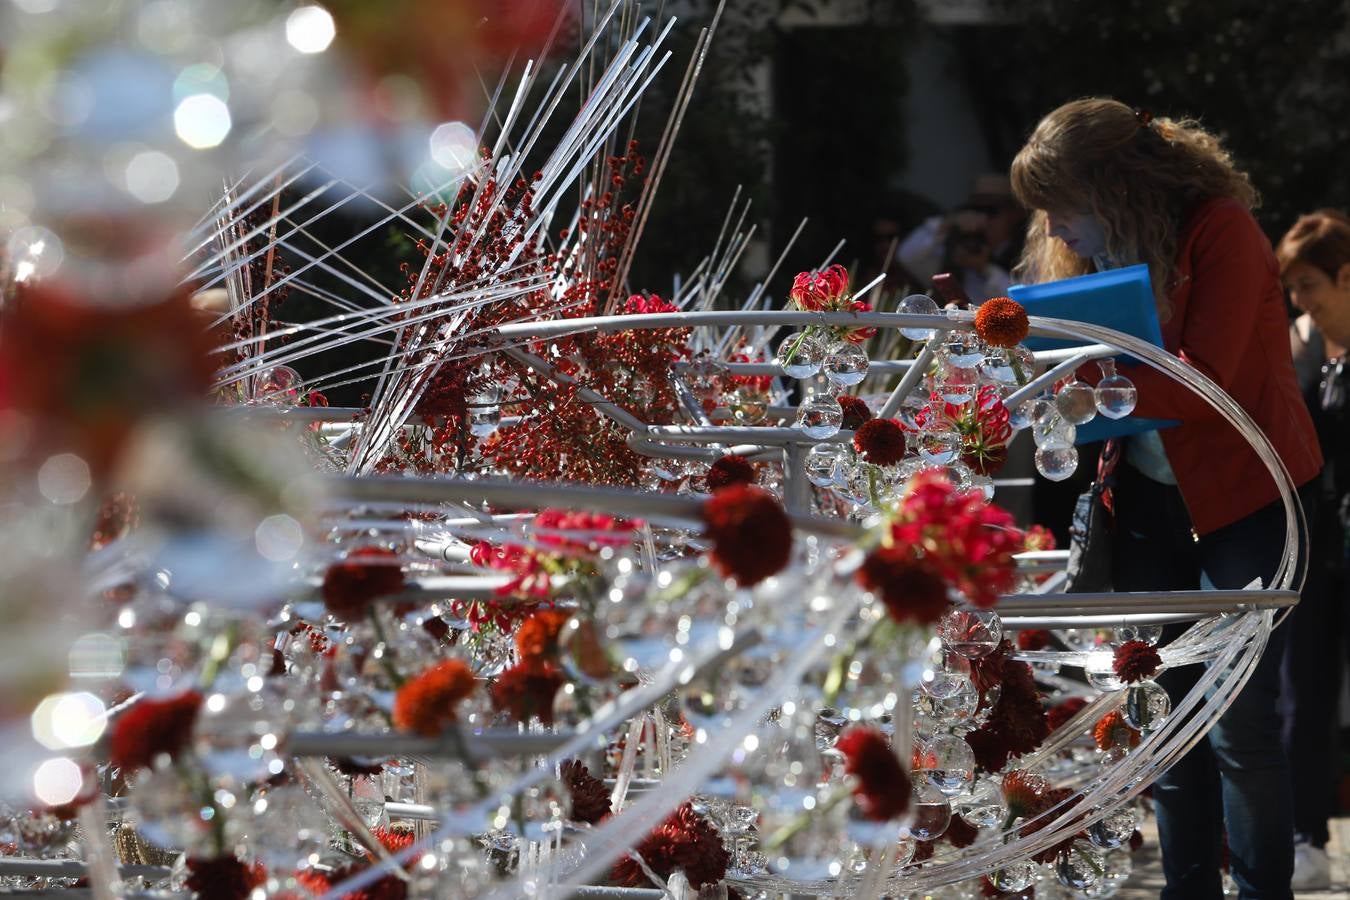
pixel 1193 505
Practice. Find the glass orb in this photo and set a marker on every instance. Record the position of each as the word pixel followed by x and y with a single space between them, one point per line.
pixel 279 384
pixel 845 364
pixel 1115 829
pixel 1077 402
pixel 1146 706
pixel 948 764
pixel 1116 395
pixel 917 305
pixel 939 446
pixel 1015 876
pixel 820 416
pixel 1019 416
pixel 1101 676
pixel 801 355
pixel 962 350
pixel 1056 463
pixel 957 385
pixel 953 709
pixel 822 464
pixel 971 632
pixel 1149 634
pixel 983 806
pixel 1079 867
pixel 1054 433
pixel 485 413
pixel 931 810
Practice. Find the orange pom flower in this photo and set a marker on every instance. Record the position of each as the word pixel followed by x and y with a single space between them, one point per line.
pixel 425 704
pixel 1001 322
pixel 1111 731
pixel 537 637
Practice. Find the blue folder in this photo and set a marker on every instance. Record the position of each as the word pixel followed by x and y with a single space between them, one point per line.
pixel 1120 299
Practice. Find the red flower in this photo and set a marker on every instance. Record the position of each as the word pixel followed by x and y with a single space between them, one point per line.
pixel 527 689
pixel 880 441
pixel 151 727
pixel 960 833
pixel 856 411
pixel 1001 322
pixel 1022 792
pixel 684 842
pixel 353 765
pixel 881 788
pixel 1050 800
pixel 223 878
pixel 351 585
pixel 425 704
pixel 1016 723
pixel 395 838
pixel 819 291
pixel 729 470
pixel 590 797
pixel 984 424
pixel 910 587
pixel 1064 711
pixel 1111 731
pixel 640 305
pixel 1033 639
pixel 1136 661
pixel 1038 537
pixel 319 883
pixel 537 637
pixel 751 535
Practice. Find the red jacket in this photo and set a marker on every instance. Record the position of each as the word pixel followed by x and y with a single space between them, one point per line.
pixel 1229 322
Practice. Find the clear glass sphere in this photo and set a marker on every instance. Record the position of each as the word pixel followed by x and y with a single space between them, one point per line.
pixel 948 763
pixel 279 384
pixel 820 416
pixel 917 305
pixel 972 633
pixel 1149 634
pixel 1056 463
pixel 931 810
pixel 1115 829
pixel 1146 706
pixel 983 805
pixel 485 413
pixel 822 464
pixel 1015 876
pixel 845 364
pixel 801 355
pixel 939 446
pixel 1079 867
pixel 1077 402
pixel 957 385
pixel 962 350
pixel 1116 395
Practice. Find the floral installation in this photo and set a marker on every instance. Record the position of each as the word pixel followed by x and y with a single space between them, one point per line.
pixel 856 412
pixel 827 291
pixel 526 691
pixel 880 784
pixel 984 425
pixel 750 533
pixel 685 842
pixel 1017 723
pixel 730 469
pixel 152 728
pixel 358 579
pixel 880 442
pixel 590 799
pixel 426 703
pixel 1135 661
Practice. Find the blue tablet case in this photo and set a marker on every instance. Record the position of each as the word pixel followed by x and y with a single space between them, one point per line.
pixel 1120 299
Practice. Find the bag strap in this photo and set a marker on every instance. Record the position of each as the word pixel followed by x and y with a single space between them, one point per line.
pixel 1106 472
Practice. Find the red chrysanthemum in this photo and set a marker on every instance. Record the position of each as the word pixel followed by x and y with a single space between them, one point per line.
pixel 1001 322
pixel 1136 661
pixel 223 878
pixel 729 470
pixel 684 842
pixel 910 586
pixel 537 636
pixel 1064 711
pixel 349 586
pixel 856 411
pixel 357 765
pixel 1022 791
pixel 590 797
pixel 751 535
pixel 1111 731
pixel 881 788
pixel 1050 800
pixel 1016 724
pixel 880 441
pixel 527 689
pixel 319 883
pixel 1033 639
pixel 425 704
pixel 151 727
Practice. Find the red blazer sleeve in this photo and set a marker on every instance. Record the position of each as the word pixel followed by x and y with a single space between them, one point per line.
pixel 1231 271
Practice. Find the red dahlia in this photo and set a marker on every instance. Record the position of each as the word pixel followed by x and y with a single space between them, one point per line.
pixel 590 797
pixel 1111 731
pixel 151 727
pixel 1001 322
pixel 223 878
pixel 350 585
pixel 425 704
pixel 729 470
pixel 751 535
pixel 856 411
pixel 1136 661
pixel 684 842
pixel 911 588
pixel 881 787
pixel 527 689
pixel 880 441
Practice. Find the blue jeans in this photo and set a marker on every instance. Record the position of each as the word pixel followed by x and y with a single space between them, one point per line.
pixel 1238 777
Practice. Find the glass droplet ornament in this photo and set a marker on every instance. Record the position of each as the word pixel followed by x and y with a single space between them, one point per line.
pixel 820 416
pixel 822 464
pixel 1056 463
pixel 954 708
pixel 1146 706
pixel 279 384
pixel 962 350
pixel 1015 876
pixel 1115 829
pixel 931 810
pixel 166 811
pixel 286 828
pixel 1079 867
pixel 956 385
pixel 939 445
pixel 845 364
pixel 972 633
pixel 1008 366
pixel 1101 675
pixel 947 763
pixel 800 355
pixel 485 412
pixel 1116 395
pixel 917 305
pixel 1149 634
pixel 1077 402
pixel 983 805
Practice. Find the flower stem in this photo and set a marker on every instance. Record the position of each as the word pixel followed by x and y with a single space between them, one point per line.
pixel 386 661
pixel 872 495
pixel 796 345
pixel 220 651
pixel 1016 364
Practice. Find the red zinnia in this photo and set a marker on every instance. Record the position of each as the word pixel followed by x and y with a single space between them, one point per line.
pixel 684 842
pixel 1136 661
pixel 1001 322
pixel 425 704
pixel 729 470
pixel 882 788
pixel 151 727
pixel 880 441
pixel 349 586
pixel 590 797
pixel 1064 711
pixel 911 588
pixel 1111 731
pixel 527 689
pixel 223 878
pixel 751 535
pixel 856 411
